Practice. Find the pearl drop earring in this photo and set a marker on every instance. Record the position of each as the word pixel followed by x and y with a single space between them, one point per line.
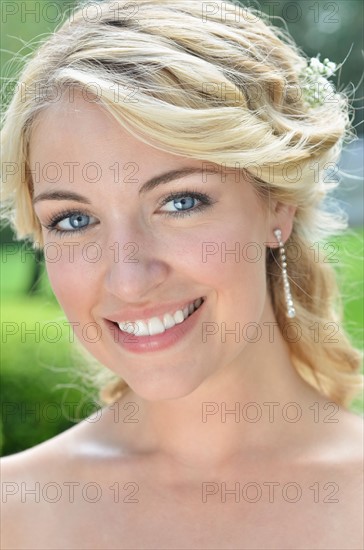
pixel 291 312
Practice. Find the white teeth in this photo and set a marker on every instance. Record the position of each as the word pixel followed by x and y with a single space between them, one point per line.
pixel 140 328
pixel 178 317
pixel 157 326
pixel 168 321
pixel 128 327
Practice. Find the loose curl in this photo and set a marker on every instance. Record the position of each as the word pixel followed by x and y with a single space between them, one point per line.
pixel 227 91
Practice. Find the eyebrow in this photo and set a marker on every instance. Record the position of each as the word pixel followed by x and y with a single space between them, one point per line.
pixel 147 186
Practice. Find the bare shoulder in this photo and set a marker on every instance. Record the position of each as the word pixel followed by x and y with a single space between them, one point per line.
pixel 41 486
pixel 352 451
pixel 339 463
pixel 339 443
pixel 56 456
pixel 37 486
pixel 346 469
pixel 24 476
pixel 350 436
pixel 31 461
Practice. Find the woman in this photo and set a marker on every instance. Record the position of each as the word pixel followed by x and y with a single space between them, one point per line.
pixel 168 157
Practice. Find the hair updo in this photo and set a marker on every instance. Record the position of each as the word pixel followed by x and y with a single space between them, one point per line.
pixel 193 82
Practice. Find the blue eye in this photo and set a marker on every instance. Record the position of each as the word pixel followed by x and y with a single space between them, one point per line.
pixel 187 202
pixel 76 221
pixel 73 222
pixel 184 202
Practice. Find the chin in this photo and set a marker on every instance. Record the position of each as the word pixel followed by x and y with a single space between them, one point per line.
pixel 158 388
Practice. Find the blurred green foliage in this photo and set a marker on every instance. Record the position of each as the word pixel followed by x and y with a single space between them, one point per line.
pixel 42 391
pixel 41 395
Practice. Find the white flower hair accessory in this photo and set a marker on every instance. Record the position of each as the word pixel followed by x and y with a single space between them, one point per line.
pixel 316 88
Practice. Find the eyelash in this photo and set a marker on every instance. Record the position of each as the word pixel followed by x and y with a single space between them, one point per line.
pixel 64 214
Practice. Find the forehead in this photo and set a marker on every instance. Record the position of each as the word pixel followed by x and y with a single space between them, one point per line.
pixel 84 131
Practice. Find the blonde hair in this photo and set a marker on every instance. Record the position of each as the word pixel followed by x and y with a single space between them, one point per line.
pixel 194 84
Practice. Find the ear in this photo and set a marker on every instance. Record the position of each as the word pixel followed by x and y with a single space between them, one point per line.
pixel 281 217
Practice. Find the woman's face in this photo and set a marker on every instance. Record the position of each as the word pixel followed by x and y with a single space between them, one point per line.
pixel 128 253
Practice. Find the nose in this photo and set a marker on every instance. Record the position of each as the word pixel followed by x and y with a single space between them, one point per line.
pixel 135 267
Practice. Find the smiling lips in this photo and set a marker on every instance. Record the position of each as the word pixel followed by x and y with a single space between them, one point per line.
pixel 158 325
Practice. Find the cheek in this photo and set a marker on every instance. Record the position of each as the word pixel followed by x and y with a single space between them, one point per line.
pixel 72 283
pixel 235 248
pixel 238 274
pixel 75 285
pixel 231 262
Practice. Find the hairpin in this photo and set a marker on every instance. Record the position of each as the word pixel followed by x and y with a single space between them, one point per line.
pixel 316 88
